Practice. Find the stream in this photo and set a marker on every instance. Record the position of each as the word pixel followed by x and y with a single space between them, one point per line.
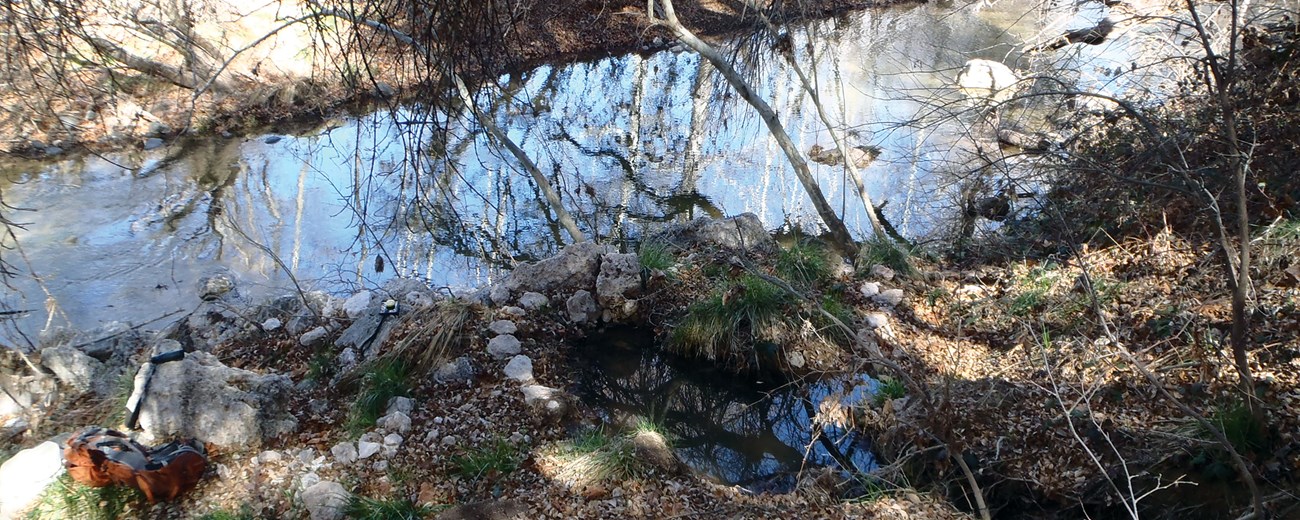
pixel 631 142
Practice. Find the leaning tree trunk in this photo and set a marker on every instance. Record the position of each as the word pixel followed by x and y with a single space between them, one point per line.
pixel 839 233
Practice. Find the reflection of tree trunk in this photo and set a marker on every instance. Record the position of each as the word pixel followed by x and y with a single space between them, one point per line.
pixel 810 87
pixel 840 236
pixel 299 206
pixel 695 139
pixel 552 197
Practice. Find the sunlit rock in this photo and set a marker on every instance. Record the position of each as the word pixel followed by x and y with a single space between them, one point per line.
pixel 986 79
pixel 202 398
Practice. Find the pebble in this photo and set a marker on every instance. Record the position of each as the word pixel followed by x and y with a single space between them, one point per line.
pixel 272 324
pixel 882 272
pixel 890 297
pixel 449 440
pixel 344 452
pixel 520 368
pixel 367 449
pixel 504 346
pixel 502 327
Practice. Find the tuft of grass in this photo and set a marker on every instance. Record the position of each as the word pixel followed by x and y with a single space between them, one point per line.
pixel 888 389
pixel 381 381
pixel 804 264
pixel 1031 291
pixel 245 513
pixel 597 456
pixel 365 508
pixel 655 255
pixel 439 330
pixel 497 457
pixel 1246 433
pixel 715 328
pixel 885 252
pixel 67 498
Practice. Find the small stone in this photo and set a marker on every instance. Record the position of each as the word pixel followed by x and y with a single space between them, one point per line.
pixel 503 346
pixel 795 359
pixel 392 442
pixel 891 297
pixel 380 465
pixel 582 307
pixel 306 455
pixel 419 299
pixel 395 422
pixel 876 320
pixel 53 150
pixel 313 337
pixel 882 272
pixel 308 479
pixel 459 369
pixel 272 139
pixel 344 452
pixel 367 449
pixel 400 404
pixel 533 301
pixel 272 324
pixel 513 311
pixel 449 440
pixel 325 500
pixel 347 358
pixel 152 143
pixel 869 289
pixel 502 327
pixel 269 456
pixel 520 368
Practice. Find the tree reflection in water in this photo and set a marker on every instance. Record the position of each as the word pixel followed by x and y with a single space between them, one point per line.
pixel 755 430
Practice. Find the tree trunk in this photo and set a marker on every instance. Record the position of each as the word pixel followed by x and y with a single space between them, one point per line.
pixel 840 235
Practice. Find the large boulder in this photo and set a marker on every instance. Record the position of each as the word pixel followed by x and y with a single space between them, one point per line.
pixel 25 476
pixel 741 232
pixel 986 79
pixel 200 397
pixel 574 268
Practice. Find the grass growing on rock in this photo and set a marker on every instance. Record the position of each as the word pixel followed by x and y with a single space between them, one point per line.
pixel 654 255
pixel 597 456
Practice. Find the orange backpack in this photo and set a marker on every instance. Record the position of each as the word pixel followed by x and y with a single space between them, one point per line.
pixel 100 457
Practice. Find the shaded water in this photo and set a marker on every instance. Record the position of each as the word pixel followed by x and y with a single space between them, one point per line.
pixel 751 430
pixel 631 143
